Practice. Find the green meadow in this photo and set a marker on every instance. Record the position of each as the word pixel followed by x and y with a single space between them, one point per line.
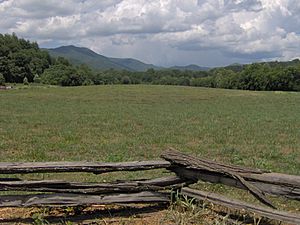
pixel 137 122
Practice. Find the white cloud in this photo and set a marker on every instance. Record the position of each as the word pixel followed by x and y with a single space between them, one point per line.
pixel 206 32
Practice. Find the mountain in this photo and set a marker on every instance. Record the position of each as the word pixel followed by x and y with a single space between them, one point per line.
pixel 80 55
pixel 236 67
pixel 134 64
pixel 191 67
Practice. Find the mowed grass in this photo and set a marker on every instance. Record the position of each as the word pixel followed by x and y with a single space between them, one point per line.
pixel 138 122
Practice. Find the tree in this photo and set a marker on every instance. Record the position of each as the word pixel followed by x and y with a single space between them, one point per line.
pixel 63 61
pixel 2 79
pixel 225 78
pixel 125 80
pixel 203 82
pixel 184 81
pixel 20 58
pixel 63 75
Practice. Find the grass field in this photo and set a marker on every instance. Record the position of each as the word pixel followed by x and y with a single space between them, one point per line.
pixel 124 123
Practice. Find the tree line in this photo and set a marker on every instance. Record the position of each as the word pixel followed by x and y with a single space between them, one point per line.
pixel 272 76
pixel 22 61
pixel 20 58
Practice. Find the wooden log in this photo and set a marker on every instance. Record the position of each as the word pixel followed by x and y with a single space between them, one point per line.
pixel 239 205
pixel 200 169
pixel 55 186
pixel 92 167
pixel 275 189
pixel 187 161
pixel 75 200
pixel 164 181
pixel 181 159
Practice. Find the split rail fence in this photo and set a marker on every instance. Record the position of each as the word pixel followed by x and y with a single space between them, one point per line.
pixel 187 170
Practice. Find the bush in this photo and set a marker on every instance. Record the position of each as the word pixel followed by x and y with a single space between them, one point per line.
pixel 203 82
pixel 37 79
pixel 2 79
pixel 184 81
pixel 87 82
pixel 126 80
pixel 62 75
pixel 25 81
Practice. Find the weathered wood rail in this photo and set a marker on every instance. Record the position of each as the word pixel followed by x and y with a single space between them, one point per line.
pixel 75 199
pixel 188 170
pixel 55 186
pixel 239 205
pixel 193 168
pixel 64 193
pixel 90 167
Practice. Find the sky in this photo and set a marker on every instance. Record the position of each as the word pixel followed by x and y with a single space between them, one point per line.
pixel 162 32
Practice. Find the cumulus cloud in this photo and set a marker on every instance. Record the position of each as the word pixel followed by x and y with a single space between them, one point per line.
pixel 165 32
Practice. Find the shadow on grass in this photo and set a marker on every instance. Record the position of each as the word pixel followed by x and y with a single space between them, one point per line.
pixel 82 216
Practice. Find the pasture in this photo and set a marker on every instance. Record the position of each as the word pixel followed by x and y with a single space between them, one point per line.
pixel 123 123
pixel 137 122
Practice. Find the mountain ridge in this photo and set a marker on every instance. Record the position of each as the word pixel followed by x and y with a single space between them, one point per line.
pixel 192 67
pixel 83 55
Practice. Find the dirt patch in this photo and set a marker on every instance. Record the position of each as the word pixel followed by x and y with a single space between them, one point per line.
pixel 133 214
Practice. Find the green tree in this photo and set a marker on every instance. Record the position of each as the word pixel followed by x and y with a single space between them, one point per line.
pixel 225 78
pixel 126 80
pixel 20 58
pixel 203 82
pixel 184 81
pixel 61 74
pixel 2 79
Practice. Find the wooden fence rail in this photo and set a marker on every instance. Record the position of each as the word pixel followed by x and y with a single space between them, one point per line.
pixel 55 186
pixel 193 168
pixel 239 205
pixel 75 199
pixel 188 170
pixel 90 167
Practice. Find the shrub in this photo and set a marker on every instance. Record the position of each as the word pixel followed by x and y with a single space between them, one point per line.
pixel 184 81
pixel 125 80
pixel 203 82
pixel 87 82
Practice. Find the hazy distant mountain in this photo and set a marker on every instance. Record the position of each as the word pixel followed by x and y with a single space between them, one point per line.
pixel 134 64
pixel 191 67
pixel 236 67
pixel 79 55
